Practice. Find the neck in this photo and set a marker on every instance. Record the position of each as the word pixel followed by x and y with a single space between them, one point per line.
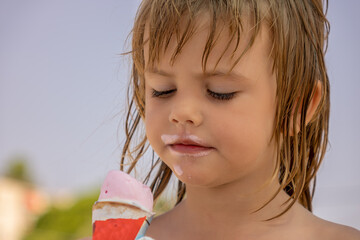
pixel 233 206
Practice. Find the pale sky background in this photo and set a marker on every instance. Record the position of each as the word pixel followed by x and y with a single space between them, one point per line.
pixel 62 95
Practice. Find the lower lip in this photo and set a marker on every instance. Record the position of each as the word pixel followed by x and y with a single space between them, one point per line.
pixel 190 150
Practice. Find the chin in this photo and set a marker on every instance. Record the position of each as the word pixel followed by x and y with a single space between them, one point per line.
pixel 198 179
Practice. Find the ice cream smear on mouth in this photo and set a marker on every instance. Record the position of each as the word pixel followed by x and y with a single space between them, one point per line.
pixel 192 150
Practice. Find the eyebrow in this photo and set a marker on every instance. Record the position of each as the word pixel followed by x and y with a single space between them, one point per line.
pixel 216 74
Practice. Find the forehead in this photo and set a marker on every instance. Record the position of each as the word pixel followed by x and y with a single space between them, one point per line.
pixel 206 47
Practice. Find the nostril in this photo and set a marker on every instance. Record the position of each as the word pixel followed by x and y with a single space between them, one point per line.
pixel 182 122
pixel 183 118
pixel 174 121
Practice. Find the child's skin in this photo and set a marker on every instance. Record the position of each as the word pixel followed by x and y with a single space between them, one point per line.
pixel 226 186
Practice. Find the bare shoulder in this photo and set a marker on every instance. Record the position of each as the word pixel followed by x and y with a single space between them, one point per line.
pixel 329 230
pixel 157 226
pixel 165 226
pixel 338 231
pixel 309 226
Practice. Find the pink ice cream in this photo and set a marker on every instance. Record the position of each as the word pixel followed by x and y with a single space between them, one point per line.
pixel 121 187
pixel 124 208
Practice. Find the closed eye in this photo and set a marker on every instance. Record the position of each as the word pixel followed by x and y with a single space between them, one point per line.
pixel 160 93
pixel 215 95
pixel 221 96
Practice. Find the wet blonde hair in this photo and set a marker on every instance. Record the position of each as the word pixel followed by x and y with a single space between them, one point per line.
pixel 299 31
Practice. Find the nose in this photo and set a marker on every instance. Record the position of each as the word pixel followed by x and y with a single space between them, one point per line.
pixel 186 112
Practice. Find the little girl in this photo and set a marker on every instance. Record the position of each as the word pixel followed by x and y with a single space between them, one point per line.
pixel 234 97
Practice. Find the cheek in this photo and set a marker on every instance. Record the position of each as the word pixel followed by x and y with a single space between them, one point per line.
pixel 241 134
pixel 238 137
pixel 154 123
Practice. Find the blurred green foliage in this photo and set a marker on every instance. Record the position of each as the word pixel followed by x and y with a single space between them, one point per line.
pixel 75 222
pixel 162 205
pixel 65 224
pixel 18 169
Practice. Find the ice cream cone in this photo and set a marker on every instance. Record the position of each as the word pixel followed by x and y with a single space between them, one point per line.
pixel 122 211
pixel 120 221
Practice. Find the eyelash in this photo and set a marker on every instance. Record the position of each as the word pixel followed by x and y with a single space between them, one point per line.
pixel 218 96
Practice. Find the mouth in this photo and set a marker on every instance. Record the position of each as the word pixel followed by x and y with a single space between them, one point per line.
pixel 190 150
pixel 187 145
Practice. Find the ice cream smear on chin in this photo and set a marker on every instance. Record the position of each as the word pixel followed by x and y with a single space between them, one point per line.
pixel 178 170
pixel 124 208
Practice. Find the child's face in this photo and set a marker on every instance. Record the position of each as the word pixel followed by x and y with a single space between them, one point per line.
pixel 238 129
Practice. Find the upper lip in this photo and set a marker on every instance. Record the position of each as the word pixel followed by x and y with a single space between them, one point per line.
pixel 184 139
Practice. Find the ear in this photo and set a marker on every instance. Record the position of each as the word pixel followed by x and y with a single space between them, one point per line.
pixel 313 104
